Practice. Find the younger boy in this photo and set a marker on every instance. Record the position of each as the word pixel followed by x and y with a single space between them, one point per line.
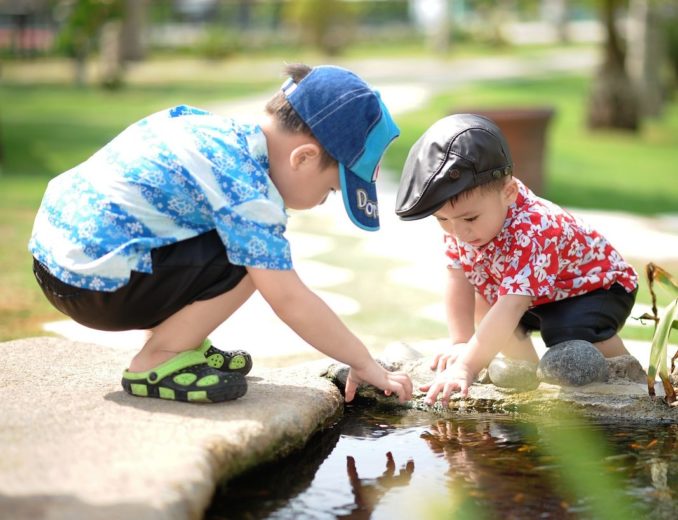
pixel 516 262
pixel 177 221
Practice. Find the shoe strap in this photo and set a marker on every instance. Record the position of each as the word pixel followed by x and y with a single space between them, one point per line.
pixel 180 361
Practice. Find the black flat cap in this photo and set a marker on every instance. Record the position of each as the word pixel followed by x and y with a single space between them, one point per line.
pixel 457 153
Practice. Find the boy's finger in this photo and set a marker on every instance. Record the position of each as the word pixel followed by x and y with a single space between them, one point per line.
pixel 406 382
pixel 433 393
pixel 447 392
pixel 401 392
pixel 434 363
pixel 349 390
pixel 463 389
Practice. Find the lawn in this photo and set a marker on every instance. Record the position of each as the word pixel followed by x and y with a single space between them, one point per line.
pixel 50 127
pixel 584 169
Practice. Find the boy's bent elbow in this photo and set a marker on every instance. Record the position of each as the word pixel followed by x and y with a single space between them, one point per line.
pixel 283 290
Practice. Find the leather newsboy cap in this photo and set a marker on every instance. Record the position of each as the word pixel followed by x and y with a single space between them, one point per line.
pixel 455 154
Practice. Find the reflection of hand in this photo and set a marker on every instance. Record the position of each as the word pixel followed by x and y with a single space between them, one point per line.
pixel 458 444
pixel 398 383
pixel 368 492
pixel 456 377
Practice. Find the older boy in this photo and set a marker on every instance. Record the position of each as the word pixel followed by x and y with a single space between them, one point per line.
pixel 177 221
pixel 516 262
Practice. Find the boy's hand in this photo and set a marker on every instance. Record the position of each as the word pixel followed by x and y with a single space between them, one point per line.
pixel 398 383
pixel 457 377
pixel 446 359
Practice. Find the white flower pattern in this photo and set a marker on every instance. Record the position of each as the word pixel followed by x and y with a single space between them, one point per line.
pixel 541 251
pixel 171 176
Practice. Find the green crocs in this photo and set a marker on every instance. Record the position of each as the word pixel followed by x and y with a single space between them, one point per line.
pixel 186 377
pixel 237 361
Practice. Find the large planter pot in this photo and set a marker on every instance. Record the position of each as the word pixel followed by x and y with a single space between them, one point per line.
pixel 525 130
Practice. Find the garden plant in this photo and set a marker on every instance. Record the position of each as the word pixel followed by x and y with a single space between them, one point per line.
pixel 663 325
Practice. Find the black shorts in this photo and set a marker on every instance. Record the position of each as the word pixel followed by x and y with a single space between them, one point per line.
pixel 594 317
pixel 184 272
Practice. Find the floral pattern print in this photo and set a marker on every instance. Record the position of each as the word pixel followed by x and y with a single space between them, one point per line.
pixel 169 177
pixel 542 251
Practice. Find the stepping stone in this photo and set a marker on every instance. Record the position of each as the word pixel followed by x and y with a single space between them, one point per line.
pixel 513 373
pixel 625 368
pixel 572 363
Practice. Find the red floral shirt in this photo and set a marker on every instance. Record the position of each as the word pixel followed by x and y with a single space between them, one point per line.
pixel 541 251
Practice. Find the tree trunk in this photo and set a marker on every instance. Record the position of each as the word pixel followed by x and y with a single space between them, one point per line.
pixel 133 41
pixel 110 57
pixel 645 56
pixel 556 13
pixel 613 101
pixel 80 68
pixel 244 14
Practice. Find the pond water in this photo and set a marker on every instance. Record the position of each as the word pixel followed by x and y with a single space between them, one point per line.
pixel 390 465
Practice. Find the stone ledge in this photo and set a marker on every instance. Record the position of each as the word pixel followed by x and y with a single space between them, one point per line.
pixel 76 446
pixel 615 400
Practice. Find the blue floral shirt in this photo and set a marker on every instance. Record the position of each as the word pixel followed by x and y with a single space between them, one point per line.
pixel 169 177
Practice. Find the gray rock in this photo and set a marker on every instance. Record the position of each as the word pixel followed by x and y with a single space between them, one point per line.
pixel 572 363
pixel 338 373
pixel 625 368
pixel 513 373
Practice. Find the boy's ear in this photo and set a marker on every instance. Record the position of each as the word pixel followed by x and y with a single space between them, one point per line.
pixel 510 191
pixel 304 155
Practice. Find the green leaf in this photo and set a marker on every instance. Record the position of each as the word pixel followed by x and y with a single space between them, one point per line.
pixel 658 363
pixel 663 277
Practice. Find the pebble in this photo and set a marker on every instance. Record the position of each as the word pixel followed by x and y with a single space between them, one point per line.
pixel 572 363
pixel 513 373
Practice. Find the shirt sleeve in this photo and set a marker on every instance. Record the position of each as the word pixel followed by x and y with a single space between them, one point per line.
pixel 531 265
pixel 252 243
pixel 452 252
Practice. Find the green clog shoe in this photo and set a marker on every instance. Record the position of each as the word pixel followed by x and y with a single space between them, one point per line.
pixel 186 377
pixel 235 361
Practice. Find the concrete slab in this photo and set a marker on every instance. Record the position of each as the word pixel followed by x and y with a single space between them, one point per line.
pixel 74 445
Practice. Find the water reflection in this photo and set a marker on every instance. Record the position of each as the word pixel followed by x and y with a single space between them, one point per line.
pixel 496 463
pixel 368 492
pixel 468 466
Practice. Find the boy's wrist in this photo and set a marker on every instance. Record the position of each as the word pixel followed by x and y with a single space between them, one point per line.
pixel 471 357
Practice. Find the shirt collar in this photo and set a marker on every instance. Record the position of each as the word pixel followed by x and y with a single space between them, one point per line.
pixel 258 149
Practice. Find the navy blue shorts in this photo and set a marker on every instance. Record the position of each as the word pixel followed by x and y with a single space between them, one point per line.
pixel 594 317
pixel 185 272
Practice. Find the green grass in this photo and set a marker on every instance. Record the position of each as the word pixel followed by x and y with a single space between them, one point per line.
pixel 584 169
pixel 51 127
pixel 22 307
pixel 47 129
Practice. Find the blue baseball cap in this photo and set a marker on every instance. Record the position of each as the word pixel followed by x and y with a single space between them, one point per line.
pixel 354 126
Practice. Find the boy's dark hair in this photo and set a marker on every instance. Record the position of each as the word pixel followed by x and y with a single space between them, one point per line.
pixel 493 185
pixel 285 115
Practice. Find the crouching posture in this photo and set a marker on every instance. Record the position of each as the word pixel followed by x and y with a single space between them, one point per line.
pixel 178 220
pixel 516 262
